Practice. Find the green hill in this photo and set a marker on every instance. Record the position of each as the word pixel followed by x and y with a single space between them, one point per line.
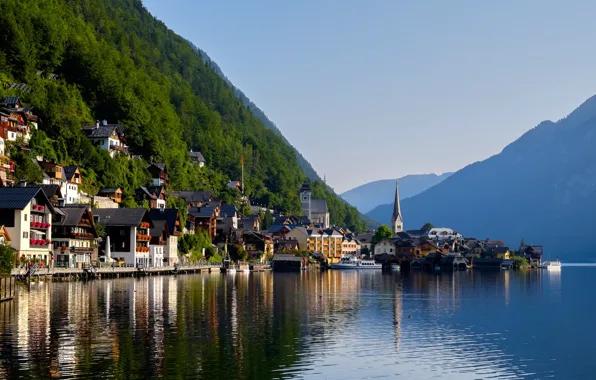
pixel 115 61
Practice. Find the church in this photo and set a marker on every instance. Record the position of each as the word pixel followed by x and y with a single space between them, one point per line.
pixel 397 222
pixel 315 209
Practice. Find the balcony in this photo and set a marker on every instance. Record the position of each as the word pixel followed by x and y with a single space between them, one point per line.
pixel 38 209
pixel 39 243
pixel 40 225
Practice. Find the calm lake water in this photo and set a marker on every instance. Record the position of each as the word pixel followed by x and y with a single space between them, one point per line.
pixel 334 325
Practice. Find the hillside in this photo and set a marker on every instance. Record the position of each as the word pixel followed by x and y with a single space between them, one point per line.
pixel 115 61
pixel 370 195
pixel 541 188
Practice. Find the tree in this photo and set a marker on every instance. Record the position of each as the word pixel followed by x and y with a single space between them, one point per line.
pixel 266 219
pixel 7 259
pixel 238 253
pixel 427 226
pixel 26 170
pixel 383 232
pixel 245 209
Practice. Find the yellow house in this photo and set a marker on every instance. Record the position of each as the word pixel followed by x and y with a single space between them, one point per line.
pixel 497 253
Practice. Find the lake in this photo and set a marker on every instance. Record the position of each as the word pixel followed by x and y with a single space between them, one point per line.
pixel 332 325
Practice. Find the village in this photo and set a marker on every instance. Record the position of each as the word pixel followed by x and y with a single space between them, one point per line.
pixel 55 225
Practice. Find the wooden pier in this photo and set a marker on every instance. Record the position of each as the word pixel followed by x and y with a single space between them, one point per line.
pixel 7 288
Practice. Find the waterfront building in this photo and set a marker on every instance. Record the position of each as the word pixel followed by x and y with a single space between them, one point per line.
pixel 129 232
pixel 532 253
pixel 365 240
pixel 397 222
pixel 350 245
pixel 74 236
pixel 205 218
pixel 172 217
pixel 26 213
pixel 158 243
pixel 315 209
pixel 496 253
pixel 258 246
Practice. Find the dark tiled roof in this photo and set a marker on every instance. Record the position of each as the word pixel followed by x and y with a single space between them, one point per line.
pixel 167 214
pixel 197 156
pixel 69 171
pixel 494 243
pixel 305 186
pixel 108 190
pixel 201 212
pixel 318 206
pixel 51 190
pixel 10 101
pixel 417 233
pixel 192 196
pixel 19 197
pixel 144 190
pixel 496 250
pixel 103 131
pixel 277 228
pixel 158 227
pixel 126 217
pixel 228 210
pixel 72 216
pixel 403 236
pixel 286 257
pixel 159 165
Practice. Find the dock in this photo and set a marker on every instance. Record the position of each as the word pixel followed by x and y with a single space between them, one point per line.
pixel 7 288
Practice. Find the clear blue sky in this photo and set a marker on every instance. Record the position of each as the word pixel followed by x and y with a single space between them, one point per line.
pixel 378 89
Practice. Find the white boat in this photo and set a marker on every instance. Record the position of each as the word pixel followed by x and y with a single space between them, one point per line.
pixel 395 267
pixel 353 262
pixel 551 265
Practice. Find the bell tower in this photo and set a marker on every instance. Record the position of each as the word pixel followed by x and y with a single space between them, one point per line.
pixel 397 223
pixel 305 197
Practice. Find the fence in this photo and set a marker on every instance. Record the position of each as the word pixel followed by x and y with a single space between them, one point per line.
pixel 7 288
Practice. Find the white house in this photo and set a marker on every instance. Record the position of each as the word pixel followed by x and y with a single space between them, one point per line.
pixel 385 246
pixel 172 217
pixel 26 213
pixel 109 137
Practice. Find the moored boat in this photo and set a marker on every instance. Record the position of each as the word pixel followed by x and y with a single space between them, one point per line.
pixel 353 262
pixel 552 265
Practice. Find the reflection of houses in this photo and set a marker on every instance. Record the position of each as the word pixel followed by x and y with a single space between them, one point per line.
pixel 159 174
pixel 129 232
pixel 114 193
pixel 154 195
pixel 74 237
pixel 26 214
pixel 109 137
pixel 172 217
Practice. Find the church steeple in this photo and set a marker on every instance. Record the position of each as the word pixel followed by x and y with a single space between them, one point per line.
pixel 397 222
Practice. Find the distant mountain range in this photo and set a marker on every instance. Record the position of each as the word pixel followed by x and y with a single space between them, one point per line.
pixel 370 195
pixel 540 188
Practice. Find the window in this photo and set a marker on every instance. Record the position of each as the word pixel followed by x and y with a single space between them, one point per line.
pixel 122 232
pixel 25 235
pixel 25 217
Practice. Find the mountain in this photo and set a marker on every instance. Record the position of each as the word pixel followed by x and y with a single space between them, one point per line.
pixel 112 60
pixel 540 188
pixel 370 195
pixel 255 110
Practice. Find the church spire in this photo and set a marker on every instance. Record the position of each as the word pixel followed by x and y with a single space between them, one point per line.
pixel 396 218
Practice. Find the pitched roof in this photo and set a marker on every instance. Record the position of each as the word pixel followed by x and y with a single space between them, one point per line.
pixel 161 166
pixel 17 198
pixel 158 227
pixel 124 217
pixel 192 196
pixel 69 171
pixel 102 131
pixel 318 206
pixel 108 190
pixel 168 214
pixel 286 257
pixel 10 101
pixel 72 216
pixel 228 210
pixel 496 250
pixel 196 156
pixel 201 212
pixel 146 191
pixel 51 190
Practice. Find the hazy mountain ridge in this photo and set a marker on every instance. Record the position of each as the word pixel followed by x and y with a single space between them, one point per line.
pixel 370 195
pixel 541 187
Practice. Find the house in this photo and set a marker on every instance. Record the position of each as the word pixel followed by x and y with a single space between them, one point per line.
pixel 197 158
pixel 159 174
pixel 70 186
pixel 315 209
pixel 54 194
pixel 532 253
pixel 496 253
pixel 16 121
pixel 249 222
pixel 205 219
pixel 234 185
pixel 280 230
pixel 365 240
pixel 114 193
pixel 285 262
pixel 453 262
pixel 53 172
pixel 439 235
pixel 172 217
pixel 350 245
pixel 154 195
pixel 74 237
pixel 280 245
pixel 193 198
pixel 158 243
pixel 493 243
pixel 227 221
pixel 129 232
pixel 258 246
pixel 26 213
pixel 109 137
pixel 7 167
pixel 385 246
pixel 327 241
pixel 299 234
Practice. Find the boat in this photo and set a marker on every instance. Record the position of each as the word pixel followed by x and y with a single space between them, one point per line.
pixel 353 262
pixel 395 267
pixel 228 266
pixel 552 265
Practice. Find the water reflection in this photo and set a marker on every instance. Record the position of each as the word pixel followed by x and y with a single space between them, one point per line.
pixel 263 325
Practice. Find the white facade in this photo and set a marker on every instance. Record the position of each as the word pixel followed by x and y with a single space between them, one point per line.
pixel 171 251
pixel 441 234
pixel 2 146
pixel 27 239
pixel 70 192
pixel 385 246
pixel 156 256
pixel 161 203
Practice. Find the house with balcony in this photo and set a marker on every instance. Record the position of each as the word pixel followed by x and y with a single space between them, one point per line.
pixel 74 237
pixel 16 121
pixel 109 137
pixel 129 232
pixel 53 172
pixel 154 195
pixel 205 219
pixel 258 246
pixel 113 193
pixel 54 194
pixel 26 213
pixel 159 174
pixel 172 217
pixel 158 243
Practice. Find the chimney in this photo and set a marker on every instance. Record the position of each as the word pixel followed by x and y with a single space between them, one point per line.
pixel 105 122
pixel 96 123
pixel 23 183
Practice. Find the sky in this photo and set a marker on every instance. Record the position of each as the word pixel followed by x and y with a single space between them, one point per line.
pixel 379 89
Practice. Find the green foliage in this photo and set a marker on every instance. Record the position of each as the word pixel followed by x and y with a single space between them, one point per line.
pixel 194 244
pixel 215 258
pixel 520 262
pixel 237 253
pixel 381 233
pixel 266 219
pixel 180 204
pixel 100 229
pixel 26 169
pixel 342 213
pixel 427 226
pixel 245 209
pixel 7 259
